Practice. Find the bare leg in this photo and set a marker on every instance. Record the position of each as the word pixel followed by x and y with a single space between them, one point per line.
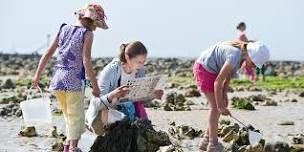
pixel 73 144
pixel 213 118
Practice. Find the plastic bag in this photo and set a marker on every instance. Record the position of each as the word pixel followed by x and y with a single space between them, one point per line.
pixel 114 115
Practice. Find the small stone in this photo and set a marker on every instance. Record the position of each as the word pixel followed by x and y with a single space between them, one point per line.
pixel 270 103
pixel 230 89
pixel 183 132
pixel 294 100
pixel 301 94
pixel 229 136
pixel 189 102
pixel 167 108
pixel 28 132
pixel 255 89
pixel 53 132
pixel 273 93
pixel 180 99
pixel 170 148
pixel 299 139
pixel 172 123
pixel 285 123
pixel 242 148
pixel 192 93
pixel 257 147
pixel 257 97
pixel 276 147
pixel 225 130
pixel 8 84
pixel 240 89
pixel 225 122
pixel 58 145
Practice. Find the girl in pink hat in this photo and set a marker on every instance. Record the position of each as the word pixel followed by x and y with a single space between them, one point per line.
pixel 213 71
pixel 73 44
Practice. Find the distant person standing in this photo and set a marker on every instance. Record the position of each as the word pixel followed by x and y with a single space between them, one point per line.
pixel 241 36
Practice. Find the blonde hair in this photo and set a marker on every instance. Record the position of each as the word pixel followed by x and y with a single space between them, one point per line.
pixel 240 45
pixel 132 50
pixel 86 22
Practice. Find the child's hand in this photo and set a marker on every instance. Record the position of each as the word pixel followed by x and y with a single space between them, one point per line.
pixel 224 111
pixel 158 94
pixel 96 91
pixel 118 93
pixel 35 81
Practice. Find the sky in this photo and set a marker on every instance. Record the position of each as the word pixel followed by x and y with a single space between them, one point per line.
pixel 168 28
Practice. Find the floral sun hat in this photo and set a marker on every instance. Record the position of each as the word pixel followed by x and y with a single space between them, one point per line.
pixel 95 12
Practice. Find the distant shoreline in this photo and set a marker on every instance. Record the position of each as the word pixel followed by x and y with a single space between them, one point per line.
pixel 34 55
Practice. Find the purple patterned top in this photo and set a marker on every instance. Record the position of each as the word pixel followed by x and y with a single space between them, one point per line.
pixel 68 71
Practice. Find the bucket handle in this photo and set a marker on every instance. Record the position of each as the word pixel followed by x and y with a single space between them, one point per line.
pixel 29 96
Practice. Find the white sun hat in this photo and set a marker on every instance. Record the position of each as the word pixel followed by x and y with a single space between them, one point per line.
pixel 258 53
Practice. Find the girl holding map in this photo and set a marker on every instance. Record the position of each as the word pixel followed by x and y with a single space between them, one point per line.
pixel 113 83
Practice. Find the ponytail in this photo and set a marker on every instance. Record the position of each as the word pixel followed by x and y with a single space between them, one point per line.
pixel 131 50
pixel 122 53
pixel 240 45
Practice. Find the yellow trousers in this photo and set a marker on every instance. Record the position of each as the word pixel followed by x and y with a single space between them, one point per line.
pixel 71 104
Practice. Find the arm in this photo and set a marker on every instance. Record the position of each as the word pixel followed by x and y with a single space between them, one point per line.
pixel 87 45
pixel 106 82
pixel 219 86
pixel 43 61
pixel 226 87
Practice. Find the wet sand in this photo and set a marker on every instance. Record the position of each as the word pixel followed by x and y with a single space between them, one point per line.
pixel 265 118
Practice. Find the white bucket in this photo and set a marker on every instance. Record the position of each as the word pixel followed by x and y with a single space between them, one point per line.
pixel 36 111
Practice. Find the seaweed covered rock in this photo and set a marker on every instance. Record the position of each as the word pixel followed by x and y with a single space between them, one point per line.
pixel 126 136
pixel 28 132
pixel 242 103
pixel 6 98
pixel 175 102
pixel 9 110
pixel 170 148
pixel 184 132
pixel 238 137
pixel 301 94
pixel 8 84
pixel 277 147
pixel 192 93
pixel 298 139
pixel 58 144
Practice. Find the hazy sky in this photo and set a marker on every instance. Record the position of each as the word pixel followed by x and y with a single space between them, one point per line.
pixel 177 28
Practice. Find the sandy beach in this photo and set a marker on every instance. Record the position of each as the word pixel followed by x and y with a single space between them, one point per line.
pixel 265 118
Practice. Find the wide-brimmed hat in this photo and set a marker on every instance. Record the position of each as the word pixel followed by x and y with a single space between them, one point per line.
pixel 258 53
pixel 95 12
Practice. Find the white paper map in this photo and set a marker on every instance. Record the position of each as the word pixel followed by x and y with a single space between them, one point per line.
pixel 142 88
